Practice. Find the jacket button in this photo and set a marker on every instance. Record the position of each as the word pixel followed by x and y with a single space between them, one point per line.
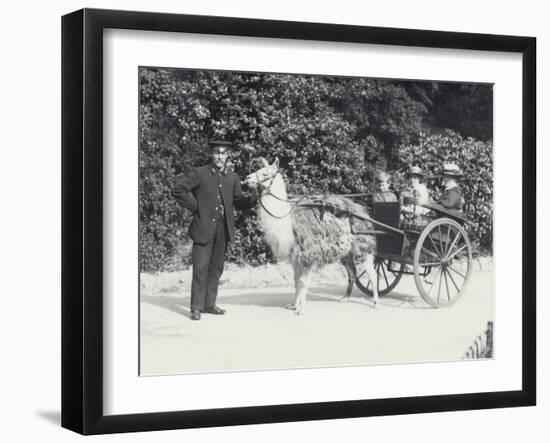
pixel 213 219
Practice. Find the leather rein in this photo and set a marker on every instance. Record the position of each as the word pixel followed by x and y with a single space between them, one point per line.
pixel 267 191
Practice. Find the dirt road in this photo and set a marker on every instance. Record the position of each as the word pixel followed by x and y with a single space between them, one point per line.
pixel 259 333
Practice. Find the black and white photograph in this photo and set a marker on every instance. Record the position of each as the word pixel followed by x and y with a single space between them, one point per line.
pixel 290 220
pixel 275 221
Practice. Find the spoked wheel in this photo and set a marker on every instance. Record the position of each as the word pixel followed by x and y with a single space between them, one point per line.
pixel 442 262
pixel 387 276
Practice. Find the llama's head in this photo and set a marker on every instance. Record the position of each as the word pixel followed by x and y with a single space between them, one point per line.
pixel 264 176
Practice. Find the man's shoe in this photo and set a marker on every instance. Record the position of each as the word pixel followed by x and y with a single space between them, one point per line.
pixel 214 310
pixel 195 314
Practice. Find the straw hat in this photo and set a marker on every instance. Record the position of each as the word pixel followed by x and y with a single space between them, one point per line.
pixel 415 170
pixel 451 170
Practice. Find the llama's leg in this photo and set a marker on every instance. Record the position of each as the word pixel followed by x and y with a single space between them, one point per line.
pixel 297 275
pixel 371 274
pixel 301 292
pixel 350 270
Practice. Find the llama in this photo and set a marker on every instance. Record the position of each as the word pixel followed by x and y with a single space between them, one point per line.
pixel 310 234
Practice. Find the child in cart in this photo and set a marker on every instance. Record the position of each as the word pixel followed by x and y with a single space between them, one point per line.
pixel 384 193
pixel 413 214
pixel 452 195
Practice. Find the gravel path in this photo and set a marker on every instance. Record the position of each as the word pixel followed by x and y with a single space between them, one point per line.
pixel 259 333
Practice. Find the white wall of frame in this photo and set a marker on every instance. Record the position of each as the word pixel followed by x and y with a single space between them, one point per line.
pixel 30 257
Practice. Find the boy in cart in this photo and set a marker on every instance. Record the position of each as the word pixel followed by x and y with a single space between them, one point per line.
pixel 452 195
pixel 384 194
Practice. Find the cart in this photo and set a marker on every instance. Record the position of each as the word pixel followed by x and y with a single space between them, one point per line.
pixel 434 247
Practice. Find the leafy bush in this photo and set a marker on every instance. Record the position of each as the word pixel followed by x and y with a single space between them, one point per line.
pixel 330 134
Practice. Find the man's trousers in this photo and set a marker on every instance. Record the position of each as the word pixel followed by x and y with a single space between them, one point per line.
pixel 208 260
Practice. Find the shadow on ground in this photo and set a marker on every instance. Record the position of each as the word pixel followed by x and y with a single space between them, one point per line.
pixel 54 417
pixel 394 299
pixel 178 305
pixel 279 300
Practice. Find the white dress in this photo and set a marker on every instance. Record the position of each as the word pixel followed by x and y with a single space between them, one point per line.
pixel 420 192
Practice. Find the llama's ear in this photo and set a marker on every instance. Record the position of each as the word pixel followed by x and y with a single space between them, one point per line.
pixel 264 161
pixel 276 162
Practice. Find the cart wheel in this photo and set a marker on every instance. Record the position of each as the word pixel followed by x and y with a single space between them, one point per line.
pixel 442 262
pixel 387 278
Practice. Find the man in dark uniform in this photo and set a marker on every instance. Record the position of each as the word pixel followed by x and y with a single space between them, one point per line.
pixel 452 196
pixel 209 193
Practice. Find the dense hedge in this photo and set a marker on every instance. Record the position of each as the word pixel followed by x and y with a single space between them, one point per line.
pixel 330 135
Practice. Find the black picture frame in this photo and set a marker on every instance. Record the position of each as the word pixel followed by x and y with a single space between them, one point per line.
pixel 82 216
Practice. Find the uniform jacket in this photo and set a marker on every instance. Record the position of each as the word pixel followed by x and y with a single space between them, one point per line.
pixel 202 192
pixel 452 199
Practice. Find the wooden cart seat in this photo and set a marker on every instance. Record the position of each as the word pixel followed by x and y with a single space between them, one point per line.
pixel 389 213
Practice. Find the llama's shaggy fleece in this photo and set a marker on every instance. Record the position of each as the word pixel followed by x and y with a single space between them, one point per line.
pixel 323 231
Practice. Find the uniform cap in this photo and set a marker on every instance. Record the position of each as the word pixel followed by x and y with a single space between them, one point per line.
pixel 220 145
